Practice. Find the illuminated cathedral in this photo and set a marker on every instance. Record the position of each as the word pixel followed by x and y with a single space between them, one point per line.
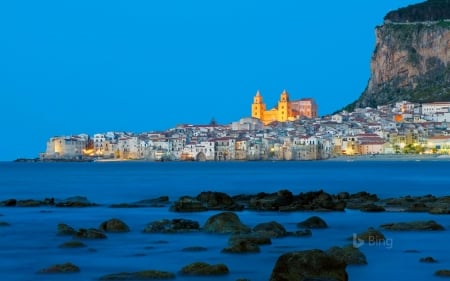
pixel 285 110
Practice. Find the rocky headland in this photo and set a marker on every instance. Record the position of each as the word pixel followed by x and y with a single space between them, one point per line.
pixel 411 57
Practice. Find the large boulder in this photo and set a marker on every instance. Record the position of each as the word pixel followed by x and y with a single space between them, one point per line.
pixel 308 265
pixel 139 275
pixel 203 268
pixel 415 225
pixel 225 222
pixel 114 225
pixel 348 254
pixel 218 201
pixel 188 204
pixel 313 222
pixel 172 226
pixel 61 268
pixel 271 229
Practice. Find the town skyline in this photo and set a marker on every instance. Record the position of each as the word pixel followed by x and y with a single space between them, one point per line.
pixel 97 67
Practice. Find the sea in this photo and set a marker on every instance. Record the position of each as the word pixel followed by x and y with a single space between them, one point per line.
pixel 29 243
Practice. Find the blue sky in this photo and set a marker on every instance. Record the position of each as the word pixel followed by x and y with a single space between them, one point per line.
pixel 70 67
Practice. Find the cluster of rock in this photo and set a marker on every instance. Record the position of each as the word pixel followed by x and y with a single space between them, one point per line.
pixel 282 200
pixel 76 201
pixel 312 264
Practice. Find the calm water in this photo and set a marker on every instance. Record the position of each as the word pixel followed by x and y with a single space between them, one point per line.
pixel 30 243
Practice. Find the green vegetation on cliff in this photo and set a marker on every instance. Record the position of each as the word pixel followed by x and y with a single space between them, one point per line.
pixel 431 10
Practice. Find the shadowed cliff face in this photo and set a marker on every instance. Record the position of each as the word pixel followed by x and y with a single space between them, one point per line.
pixel 410 62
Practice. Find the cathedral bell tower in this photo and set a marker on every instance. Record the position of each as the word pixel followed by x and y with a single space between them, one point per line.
pixel 284 107
pixel 258 106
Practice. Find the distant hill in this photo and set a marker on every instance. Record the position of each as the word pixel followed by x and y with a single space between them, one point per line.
pixel 411 60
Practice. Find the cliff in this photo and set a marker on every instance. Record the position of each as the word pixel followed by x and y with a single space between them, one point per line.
pixel 411 56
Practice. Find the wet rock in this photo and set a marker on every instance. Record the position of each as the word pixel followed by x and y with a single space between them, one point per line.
pixel 139 275
pixel 343 195
pixel 372 208
pixel 64 229
pixel 418 207
pixel 226 222
pixel 240 246
pixel 308 265
pixel 348 254
pixel 72 244
pixel 202 268
pixel 254 238
pixel 428 260
pixel 442 273
pixel 271 201
pixel 271 229
pixel 9 203
pixel 61 268
pixel 313 222
pixel 188 204
pixel 218 201
pixel 114 225
pixel 76 202
pixel 360 199
pixel 319 201
pixel 89 233
pixel 172 226
pixel 28 203
pixel 194 249
pixel 371 235
pixel 439 211
pixel 416 225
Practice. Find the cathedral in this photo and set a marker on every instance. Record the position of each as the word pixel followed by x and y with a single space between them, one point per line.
pixel 285 110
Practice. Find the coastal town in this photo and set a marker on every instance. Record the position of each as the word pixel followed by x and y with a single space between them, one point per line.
pixel 291 130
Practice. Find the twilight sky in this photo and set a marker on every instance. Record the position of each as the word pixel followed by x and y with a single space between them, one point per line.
pixel 82 66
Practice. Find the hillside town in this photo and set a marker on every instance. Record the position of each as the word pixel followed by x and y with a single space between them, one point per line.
pixel 400 128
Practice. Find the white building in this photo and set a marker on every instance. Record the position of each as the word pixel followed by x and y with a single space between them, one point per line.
pixel 435 107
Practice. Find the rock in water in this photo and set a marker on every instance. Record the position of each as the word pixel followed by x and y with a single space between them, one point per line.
pixel 64 229
pixel 114 225
pixel 226 222
pixel 348 254
pixel 308 265
pixel 271 229
pixel 415 225
pixel 61 268
pixel 202 268
pixel 139 275
pixel 313 222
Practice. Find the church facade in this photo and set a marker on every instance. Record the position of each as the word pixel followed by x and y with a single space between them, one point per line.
pixel 285 110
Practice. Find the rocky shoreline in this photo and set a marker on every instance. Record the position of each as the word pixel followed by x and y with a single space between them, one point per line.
pixel 242 239
pixel 281 201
